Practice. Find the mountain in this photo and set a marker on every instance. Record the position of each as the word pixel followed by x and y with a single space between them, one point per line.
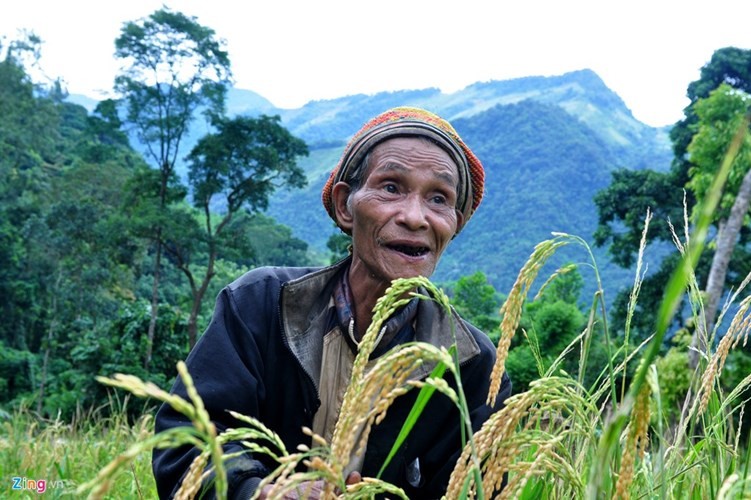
pixel 580 93
pixel 548 145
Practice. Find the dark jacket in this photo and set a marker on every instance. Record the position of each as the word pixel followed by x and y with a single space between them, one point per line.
pixel 261 356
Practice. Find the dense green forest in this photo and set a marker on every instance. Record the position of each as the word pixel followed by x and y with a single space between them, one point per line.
pixel 78 211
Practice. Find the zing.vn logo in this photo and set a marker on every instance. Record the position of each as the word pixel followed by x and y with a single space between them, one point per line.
pixel 23 483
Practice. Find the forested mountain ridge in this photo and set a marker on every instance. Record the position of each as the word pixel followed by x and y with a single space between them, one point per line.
pixel 548 145
pixel 581 93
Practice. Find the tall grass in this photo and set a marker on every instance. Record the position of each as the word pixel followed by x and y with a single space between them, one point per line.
pixel 67 454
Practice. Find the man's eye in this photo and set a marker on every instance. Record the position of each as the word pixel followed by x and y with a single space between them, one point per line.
pixel 391 188
pixel 439 199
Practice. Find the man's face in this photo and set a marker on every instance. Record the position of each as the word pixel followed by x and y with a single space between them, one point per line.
pixel 404 214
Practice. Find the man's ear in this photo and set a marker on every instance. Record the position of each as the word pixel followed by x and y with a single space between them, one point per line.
pixel 459 221
pixel 340 195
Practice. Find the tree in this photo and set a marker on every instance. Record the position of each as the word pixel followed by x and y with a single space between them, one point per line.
pixel 478 302
pixel 720 118
pixel 242 163
pixel 172 67
pixel 340 245
pixel 28 129
pixel 622 205
pixel 272 243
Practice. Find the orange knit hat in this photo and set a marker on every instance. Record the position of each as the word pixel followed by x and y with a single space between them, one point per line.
pixel 407 121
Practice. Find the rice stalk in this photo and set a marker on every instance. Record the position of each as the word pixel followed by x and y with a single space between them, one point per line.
pixel 700 403
pixel 511 310
pixel 191 482
pixel 201 435
pixel 369 395
pixel 735 486
pixel 280 477
pixel 322 477
pixel 298 485
pixel 207 430
pixel 509 431
pixel 371 391
pixel 387 380
pixel 545 460
pixel 397 295
pixel 738 329
pixel 736 447
pixel 635 289
pixel 672 298
pixel 258 431
pixel 636 441
pixel 369 487
pixel 558 272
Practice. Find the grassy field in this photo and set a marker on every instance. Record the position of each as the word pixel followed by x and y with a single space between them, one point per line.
pixel 54 457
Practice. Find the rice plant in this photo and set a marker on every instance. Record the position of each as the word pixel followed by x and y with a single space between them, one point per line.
pixel 547 441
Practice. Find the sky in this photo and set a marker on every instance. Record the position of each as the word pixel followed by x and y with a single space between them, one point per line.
pixel 295 51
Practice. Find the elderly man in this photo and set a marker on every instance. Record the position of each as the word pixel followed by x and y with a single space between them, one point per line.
pixel 282 341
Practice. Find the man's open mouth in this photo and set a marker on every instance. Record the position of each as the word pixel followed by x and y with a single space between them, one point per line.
pixel 412 251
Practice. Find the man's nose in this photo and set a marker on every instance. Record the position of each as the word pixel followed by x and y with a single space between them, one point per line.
pixel 412 214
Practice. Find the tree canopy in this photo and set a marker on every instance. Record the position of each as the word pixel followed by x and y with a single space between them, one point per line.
pixel 622 205
pixel 172 66
pixel 721 129
pixel 242 163
pixel 78 207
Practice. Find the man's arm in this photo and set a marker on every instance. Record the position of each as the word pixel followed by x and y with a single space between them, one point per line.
pixel 227 367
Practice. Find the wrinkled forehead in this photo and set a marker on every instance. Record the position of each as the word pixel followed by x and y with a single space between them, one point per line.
pixel 398 154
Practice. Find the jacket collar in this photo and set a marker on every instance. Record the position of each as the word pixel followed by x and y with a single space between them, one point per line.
pixel 304 311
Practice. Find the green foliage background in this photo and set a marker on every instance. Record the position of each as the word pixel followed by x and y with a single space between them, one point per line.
pixel 75 271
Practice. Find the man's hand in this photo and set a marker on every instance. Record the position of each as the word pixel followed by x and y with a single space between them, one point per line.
pixel 309 489
pixel 353 478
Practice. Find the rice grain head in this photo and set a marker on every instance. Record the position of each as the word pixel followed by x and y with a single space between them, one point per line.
pixel 388 379
pixel 500 441
pixel 511 310
pixel 637 440
pixel 738 329
pixel 191 482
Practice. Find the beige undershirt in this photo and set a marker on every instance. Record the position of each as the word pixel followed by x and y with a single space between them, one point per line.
pixel 336 372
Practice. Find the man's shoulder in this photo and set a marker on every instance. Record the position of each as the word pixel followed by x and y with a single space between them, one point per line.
pixel 270 276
